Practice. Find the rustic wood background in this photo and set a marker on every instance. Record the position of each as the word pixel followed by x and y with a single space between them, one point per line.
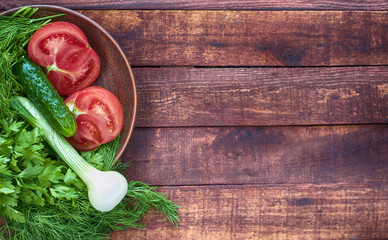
pixel 261 119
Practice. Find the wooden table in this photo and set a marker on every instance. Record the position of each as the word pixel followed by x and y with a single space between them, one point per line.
pixel 261 119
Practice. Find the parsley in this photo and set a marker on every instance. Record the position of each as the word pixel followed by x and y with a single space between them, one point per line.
pixel 28 174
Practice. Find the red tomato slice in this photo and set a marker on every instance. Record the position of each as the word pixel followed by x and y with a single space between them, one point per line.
pixel 63 50
pixel 99 117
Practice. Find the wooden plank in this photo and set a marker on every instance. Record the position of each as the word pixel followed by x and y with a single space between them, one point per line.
pixel 248 38
pixel 258 155
pixel 210 4
pixel 273 212
pixel 261 96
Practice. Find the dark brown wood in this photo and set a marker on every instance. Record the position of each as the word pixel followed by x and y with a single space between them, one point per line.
pixel 229 136
pixel 261 96
pixel 337 211
pixel 249 38
pixel 210 4
pixel 252 155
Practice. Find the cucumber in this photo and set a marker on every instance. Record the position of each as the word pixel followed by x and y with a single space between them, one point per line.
pixel 42 93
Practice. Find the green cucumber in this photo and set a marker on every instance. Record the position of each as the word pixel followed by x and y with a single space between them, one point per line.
pixel 40 90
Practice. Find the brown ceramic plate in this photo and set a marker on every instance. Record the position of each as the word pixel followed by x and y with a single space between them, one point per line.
pixel 115 73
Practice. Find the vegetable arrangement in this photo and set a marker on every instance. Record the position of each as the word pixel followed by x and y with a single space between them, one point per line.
pixel 106 189
pixel 48 190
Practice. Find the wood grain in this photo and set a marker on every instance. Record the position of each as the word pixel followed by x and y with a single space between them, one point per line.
pixel 210 4
pixel 256 155
pixel 261 96
pixel 235 147
pixel 248 38
pixel 336 211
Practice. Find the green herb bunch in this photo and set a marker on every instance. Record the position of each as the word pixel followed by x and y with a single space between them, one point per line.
pixel 41 198
pixel 15 32
pixel 28 174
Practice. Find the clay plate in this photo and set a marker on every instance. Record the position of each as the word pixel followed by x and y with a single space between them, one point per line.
pixel 115 74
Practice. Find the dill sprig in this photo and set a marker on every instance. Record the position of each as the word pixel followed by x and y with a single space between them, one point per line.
pixel 144 198
pixel 15 32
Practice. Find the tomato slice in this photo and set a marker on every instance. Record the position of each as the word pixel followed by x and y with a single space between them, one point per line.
pixel 99 117
pixel 63 50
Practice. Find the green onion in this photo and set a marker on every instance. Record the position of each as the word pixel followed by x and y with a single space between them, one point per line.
pixel 106 189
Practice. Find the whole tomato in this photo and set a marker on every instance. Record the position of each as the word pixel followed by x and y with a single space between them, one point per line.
pixel 99 117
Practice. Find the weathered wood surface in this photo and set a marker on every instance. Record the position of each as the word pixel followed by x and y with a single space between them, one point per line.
pixel 170 97
pixel 231 140
pixel 249 38
pixel 210 4
pixel 336 211
pixel 256 155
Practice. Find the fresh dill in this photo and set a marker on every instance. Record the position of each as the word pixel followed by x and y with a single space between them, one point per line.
pixel 15 32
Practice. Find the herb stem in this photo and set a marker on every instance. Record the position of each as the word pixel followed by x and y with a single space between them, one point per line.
pixel 47 18
pixel 21 11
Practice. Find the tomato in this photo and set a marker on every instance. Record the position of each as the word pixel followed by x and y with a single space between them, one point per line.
pixel 64 52
pixel 99 117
